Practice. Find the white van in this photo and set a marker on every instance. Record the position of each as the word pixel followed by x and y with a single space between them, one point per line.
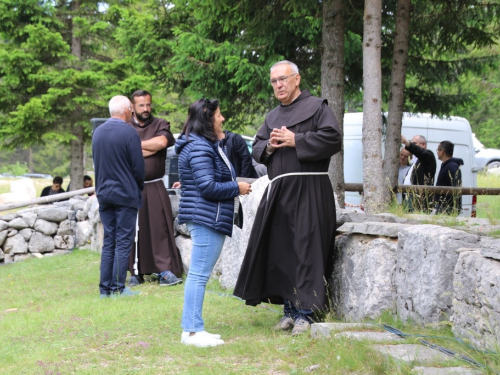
pixel 456 130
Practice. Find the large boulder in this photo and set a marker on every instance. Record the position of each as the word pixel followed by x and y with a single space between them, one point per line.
pixel 3 236
pixel 92 209
pixel 78 203
pixel 97 236
pixel 83 234
pixel 15 245
pixel 362 283
pixel 53 214
pixel 64 242
pixel 426 258
pixel 490 247
pixel 3 225
pixel 81 215
pixel 18 223
pixel 235 247
pixel 46 227
pixel 40 243
pixel 26 233
pixel 66 228
pixel 476 299
pixel 8 217
pixel 29 218
pixel 12 232
pixel 184 244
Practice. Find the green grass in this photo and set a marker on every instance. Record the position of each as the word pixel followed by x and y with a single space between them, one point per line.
pixel 59 325
pixel 488 206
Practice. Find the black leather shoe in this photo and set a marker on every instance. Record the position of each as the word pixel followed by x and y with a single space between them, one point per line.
pixel 136 280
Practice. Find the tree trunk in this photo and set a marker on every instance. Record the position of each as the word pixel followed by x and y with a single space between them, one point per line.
pixel 30 160
pixel 396 95
pixel 373 180
pixel 332 82
pixel 76 144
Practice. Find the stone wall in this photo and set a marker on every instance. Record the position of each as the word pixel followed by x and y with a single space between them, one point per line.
pixel 433 274
pixel 423 273
pixel 45 230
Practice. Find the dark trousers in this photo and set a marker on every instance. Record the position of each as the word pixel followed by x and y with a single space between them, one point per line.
pixel 119 224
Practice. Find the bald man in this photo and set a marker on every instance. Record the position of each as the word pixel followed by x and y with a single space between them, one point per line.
pixel 119 177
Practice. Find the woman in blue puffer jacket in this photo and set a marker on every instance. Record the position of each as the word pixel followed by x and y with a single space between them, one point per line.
pixel 209 196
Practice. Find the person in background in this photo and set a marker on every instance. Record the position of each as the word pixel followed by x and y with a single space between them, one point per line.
pixel 209 199
pixel 156 251
pixel 404 164
pixel 55 188
pixel 404 167
pixel 88 182
pixel 289 258
pixel 236 150
pixel 119 176
pixel 449 175
pixel 422 172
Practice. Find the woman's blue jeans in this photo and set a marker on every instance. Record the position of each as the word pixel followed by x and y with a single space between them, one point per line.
pixel 207 246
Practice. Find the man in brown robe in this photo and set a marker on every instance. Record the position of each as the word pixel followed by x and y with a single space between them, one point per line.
pixel 289 258
pixel 155 251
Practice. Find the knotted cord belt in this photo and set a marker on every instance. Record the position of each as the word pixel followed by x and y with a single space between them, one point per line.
pixel 150 181
pixel 292 174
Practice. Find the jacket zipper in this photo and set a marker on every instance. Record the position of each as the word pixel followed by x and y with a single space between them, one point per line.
pixel 218 209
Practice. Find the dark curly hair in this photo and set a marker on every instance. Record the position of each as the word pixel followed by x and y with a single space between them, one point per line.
pixel 201 119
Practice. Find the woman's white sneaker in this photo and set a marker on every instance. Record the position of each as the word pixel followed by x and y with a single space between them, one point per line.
pixel 201 339
pixel 215 335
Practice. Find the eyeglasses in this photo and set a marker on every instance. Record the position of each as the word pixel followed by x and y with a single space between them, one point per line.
pixel 275 81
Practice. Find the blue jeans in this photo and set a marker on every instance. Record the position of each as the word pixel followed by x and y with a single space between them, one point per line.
pixel 290 310
pixel 119 224
pixel 207 245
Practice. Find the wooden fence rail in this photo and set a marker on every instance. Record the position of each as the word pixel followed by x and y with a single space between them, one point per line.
pixel 47 199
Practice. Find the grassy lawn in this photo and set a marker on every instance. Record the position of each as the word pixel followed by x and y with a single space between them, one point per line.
pixel 488 206
pixel 52 322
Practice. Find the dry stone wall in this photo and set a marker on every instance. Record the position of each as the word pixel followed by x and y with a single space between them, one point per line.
pixel 45 230
pixel 434 274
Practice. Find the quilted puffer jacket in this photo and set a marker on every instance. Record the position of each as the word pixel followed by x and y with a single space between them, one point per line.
pixel 208 185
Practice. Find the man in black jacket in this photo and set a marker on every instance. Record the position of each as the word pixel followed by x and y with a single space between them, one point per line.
pixel 449 175
pixel 422 172
pixel 236 150
pixel 119 177
pixel 55 188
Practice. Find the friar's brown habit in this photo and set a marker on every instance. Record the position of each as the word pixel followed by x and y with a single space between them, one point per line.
pixel 157 251
pixel 290 251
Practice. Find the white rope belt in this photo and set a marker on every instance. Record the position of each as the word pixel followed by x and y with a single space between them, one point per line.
pixel 292 174
pixel 149 182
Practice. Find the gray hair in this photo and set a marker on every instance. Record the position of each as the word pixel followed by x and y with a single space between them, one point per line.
pixel 118 105
pixel 294 67
pixel 421 139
